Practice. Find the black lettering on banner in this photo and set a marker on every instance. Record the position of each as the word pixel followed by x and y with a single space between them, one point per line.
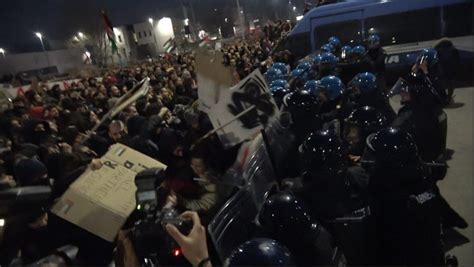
pixel 252 93
pixel 128 164
pixel 110 164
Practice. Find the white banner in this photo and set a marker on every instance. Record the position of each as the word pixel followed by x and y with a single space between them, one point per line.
pixel 15 91
pixel 243 110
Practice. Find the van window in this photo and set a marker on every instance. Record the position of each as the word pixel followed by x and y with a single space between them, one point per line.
pixel 299 45
pixel 346 31
pixel 459 19
pixel 406 27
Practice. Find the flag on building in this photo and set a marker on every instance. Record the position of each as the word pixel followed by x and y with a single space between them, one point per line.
pixel 169 45
pixel 110 32
pixel 205 41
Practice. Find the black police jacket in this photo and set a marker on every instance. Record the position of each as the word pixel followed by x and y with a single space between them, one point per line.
pixel 408 226
pixel 333 197
pixel 424 123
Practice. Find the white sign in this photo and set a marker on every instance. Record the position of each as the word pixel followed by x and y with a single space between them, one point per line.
pixel 251 95
pixel 100 201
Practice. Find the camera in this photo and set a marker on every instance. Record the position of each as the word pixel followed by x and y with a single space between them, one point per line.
pixel 149 236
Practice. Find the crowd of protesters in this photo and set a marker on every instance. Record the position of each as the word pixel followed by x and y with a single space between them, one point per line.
pixel 46 138
pixel 246 56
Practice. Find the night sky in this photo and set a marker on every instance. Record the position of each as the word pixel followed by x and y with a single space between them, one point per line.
pixel 61 19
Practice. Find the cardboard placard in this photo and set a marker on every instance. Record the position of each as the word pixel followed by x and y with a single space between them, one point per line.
pixel 100 201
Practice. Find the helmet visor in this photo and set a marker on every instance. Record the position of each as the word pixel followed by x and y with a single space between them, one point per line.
pixel 400 86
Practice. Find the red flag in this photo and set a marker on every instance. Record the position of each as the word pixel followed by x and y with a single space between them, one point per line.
pixel 110 31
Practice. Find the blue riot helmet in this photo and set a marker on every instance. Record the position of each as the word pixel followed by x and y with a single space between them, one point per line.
pixel 279 83
pixel 304 66
pixel 363 83
pixel 287 219
pixel 373 41
pixel 281 66
pixel 358 50
pixel 300 74
pixel 327 48
pixel 346 52
pixel 428 54
pixel 311 86
pixel 335 42
pixel 330 87
pixel 327 63
pixel 316 60
pixel 273 74
pixel 260 252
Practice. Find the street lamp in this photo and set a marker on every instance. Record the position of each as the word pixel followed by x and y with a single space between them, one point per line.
pixel 154 35
pixel 81 35
pixel 40 36
pixel 3 53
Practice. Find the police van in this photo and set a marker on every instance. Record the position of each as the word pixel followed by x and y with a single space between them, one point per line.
pixel 404 26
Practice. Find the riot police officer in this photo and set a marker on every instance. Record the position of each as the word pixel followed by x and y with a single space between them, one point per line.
pixel 377 56
pixel 287 219
pixel 304 109
pixel 302 73
pixel 335 192
pixel 421 115
pixel 357 61
pixel 327 65
pixel 404 202
pixel 361 123
pixel 364 91
pixel 330 91
pixel 336 43
pixel 427 62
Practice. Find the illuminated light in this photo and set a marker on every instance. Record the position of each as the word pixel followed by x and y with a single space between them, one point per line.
pixel 165 27
pixel 298 18
pixel 81 35
pixel 116 31
pixel 294 8
pixel 225 19
pixel 88 54
pixel 176 252
pixel 2 222
pixel 186 22
pixel 139 206
pixel 76 38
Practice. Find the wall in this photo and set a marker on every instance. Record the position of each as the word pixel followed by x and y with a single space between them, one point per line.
pixel 63 59
pixel 123 41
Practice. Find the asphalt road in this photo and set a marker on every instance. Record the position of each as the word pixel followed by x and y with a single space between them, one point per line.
pixel 458 186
